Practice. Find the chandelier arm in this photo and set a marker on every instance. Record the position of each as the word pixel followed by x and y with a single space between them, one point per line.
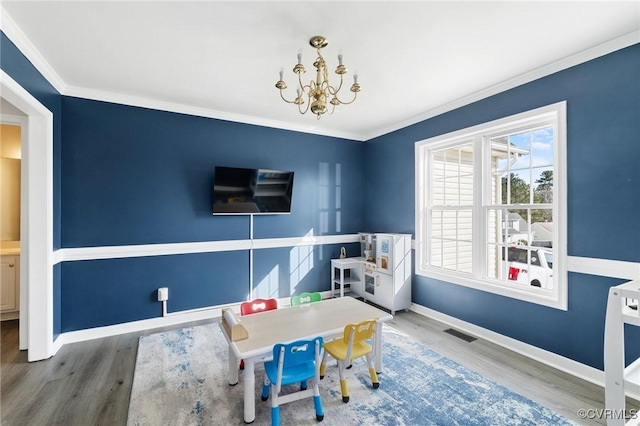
pixel 335 91
pixel 307 88
pixel 355 95
pixel 302 86
pixel 283 98
pixel 307 108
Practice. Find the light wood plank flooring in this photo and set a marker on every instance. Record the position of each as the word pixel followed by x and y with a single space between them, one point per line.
pixel 89 383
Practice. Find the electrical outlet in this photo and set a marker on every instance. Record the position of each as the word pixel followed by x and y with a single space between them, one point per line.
pixel 163 294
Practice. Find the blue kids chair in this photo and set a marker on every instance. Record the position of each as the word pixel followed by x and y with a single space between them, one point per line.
pixel 295 362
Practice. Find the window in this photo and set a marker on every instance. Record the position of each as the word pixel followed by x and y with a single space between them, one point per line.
pixel 491 206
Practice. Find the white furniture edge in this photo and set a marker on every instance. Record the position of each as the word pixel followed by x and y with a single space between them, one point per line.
pixel 620 380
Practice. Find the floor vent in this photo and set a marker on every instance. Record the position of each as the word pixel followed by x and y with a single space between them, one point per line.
pixel 460 335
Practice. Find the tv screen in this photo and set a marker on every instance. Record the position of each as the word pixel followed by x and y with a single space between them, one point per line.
pixel 251 191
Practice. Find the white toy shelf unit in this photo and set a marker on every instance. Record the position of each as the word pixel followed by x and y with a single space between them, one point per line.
pixel 622 308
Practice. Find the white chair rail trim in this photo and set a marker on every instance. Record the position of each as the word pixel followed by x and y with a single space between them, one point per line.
pixel 143 250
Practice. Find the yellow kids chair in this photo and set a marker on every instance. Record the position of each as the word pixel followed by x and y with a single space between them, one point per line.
pixel 351 346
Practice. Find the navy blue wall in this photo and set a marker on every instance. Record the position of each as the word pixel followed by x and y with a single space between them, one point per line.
pixel 140 176
pixel 603 124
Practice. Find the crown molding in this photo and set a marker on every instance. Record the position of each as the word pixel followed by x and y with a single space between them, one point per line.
pixel 543 71
pixel 15 34
pixel 119 98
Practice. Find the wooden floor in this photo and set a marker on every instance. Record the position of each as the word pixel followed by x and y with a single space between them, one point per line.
pixel 89 383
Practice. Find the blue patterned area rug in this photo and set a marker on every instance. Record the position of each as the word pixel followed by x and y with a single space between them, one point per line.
pixel 180 379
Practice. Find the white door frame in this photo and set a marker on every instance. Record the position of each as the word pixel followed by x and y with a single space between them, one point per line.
pixel 36 218
pixel 21 121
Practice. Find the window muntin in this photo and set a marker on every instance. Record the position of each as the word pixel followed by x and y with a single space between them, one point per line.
pixel 491 189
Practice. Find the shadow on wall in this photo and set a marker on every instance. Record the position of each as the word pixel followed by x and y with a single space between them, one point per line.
pixel 324 198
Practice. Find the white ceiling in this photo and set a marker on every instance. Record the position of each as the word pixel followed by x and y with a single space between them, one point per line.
pixel 221 59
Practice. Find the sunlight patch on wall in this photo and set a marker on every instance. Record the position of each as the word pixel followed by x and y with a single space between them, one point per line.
pixel 338 197
pixel 300 263
pixel 323 198
pixel 269 286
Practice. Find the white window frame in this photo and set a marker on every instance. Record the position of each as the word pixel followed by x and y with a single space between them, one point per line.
pixel 556 297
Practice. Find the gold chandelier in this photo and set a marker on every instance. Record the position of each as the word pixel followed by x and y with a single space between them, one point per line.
pixel 319 90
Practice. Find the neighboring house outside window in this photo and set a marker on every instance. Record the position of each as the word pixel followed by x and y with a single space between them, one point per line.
pixel 491 206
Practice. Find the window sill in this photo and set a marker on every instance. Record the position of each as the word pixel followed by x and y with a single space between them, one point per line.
pixel 552 299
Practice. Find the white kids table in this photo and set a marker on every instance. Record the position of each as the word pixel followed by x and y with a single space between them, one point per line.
pixel 326 318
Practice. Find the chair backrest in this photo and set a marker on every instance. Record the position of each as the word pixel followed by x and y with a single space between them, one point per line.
pixel 354 333
pixel 258 305
pixel 304 298
pixel 297 355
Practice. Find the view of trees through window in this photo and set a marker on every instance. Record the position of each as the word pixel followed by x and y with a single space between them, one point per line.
pixel 520 190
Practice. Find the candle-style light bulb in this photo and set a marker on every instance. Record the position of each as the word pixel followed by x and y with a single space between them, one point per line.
pixel 281 72
pixel 355 79
pixel 340 59
pixel 298 90
pixel 299 57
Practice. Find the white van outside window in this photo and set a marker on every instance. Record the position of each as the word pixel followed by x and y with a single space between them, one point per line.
pixel 530 266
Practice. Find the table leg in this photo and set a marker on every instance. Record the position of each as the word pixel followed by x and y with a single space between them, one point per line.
pixel 377 342
pixel 232 374
pixel 249 391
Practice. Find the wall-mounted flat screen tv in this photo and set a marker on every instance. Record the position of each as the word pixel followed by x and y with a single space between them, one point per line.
pixel 251 191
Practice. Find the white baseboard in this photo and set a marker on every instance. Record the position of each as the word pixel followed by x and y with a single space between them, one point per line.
pixel 171 319
pixel 174 318
pixel 551 359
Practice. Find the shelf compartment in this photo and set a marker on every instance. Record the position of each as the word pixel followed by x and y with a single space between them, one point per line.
pixel 346 276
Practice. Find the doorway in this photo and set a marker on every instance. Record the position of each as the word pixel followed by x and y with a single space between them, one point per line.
pixel 10 190
pixel 36 217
